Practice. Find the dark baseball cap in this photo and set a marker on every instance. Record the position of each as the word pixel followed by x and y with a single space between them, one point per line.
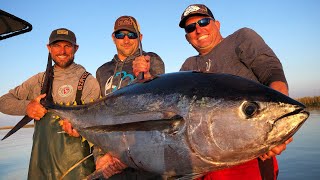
pixel 192 10
pixel 63 34
pixel 126 23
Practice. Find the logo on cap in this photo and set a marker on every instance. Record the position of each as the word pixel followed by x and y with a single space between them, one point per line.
pixel 125 22
pixel 192 9
pixel 62 31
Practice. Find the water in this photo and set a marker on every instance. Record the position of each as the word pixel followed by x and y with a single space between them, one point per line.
pixel 15 154
pixel 301 160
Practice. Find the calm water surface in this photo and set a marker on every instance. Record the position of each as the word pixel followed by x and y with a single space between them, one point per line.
pixel 301 160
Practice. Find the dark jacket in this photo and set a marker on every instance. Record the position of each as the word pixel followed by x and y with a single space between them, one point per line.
pixel 116 74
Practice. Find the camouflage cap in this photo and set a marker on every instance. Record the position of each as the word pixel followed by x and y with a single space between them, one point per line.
pixel 126 23
pixel 192 10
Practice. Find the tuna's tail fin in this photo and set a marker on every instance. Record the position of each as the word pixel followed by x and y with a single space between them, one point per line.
pixel 46 88
pixel 25 120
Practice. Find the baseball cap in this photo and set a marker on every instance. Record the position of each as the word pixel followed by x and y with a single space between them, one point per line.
pixel 63 34
pixel 192 10
pixel 126 23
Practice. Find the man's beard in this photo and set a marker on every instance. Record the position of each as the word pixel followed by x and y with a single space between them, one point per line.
pixel 64 65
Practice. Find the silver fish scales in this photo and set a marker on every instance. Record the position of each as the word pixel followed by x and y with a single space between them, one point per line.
pixel 188 123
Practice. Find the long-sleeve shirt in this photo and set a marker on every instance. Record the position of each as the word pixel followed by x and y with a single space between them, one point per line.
pixel 64 90
pixel 243 53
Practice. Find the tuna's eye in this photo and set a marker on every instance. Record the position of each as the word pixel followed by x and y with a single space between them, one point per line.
pixel 250 108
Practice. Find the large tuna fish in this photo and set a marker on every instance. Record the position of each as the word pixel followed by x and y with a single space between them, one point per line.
pixel 188 123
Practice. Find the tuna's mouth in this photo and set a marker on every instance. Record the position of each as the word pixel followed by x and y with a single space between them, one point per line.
pixel 296 118
pixel 297 111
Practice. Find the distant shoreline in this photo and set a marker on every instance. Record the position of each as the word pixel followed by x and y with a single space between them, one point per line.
pixel 310 102
pixel 10 127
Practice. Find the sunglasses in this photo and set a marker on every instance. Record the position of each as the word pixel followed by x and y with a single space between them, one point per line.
pixel 202 23
pixel 121 35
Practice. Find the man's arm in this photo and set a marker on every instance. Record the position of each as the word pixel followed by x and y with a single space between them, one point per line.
pixel 109 165
pixel 15 102
pixel 157 66
pixel 280 86
pixel 11 105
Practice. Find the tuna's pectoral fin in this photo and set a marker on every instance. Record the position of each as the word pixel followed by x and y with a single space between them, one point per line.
pixel 171 125
pixel 130 117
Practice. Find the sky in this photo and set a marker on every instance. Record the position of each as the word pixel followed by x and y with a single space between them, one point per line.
pixel 290 27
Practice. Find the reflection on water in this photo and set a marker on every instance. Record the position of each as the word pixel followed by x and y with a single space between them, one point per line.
pixel 300 160
pixel 15 154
